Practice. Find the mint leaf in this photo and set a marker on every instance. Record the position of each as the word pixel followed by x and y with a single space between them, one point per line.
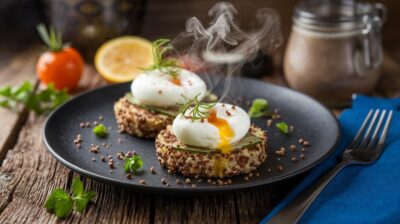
pixel 283 127
pixel 77 187
pixel 82 201
pixel 259 108
pixel 132 164
pixel 63 207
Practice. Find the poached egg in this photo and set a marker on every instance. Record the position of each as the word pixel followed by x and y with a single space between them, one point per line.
pixel 225 125
pixel 155 88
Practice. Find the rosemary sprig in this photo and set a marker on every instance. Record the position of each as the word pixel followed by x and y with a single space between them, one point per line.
pixel 161 62
pixel 198 110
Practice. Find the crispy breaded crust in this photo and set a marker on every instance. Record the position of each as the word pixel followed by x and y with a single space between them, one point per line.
pixel 138 121
pixel 215 164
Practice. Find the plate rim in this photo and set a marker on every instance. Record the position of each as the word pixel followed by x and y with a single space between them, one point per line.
pixel 216 189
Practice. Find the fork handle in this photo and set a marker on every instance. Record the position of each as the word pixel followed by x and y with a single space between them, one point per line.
pixel 293 212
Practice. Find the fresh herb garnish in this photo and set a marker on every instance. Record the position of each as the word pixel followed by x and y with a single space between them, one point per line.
pixel 283 127
pixel 132 164
pixel 165 64
pixel 198 110
pixel 61 203
pixel 100 130
pixel 259 108
pixel 40 101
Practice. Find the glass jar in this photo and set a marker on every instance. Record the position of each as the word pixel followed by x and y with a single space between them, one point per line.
pixel 335 49
pixel 89 23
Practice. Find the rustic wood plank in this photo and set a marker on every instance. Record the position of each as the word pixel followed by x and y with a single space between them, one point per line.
pixel 204 209
pixel 16 69
pixel 30 173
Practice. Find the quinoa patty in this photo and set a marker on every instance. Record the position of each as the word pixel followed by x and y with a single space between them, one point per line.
pixel 214 164
pixel 139 121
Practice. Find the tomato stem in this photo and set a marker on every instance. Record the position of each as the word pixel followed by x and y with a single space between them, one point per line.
pixel 52 38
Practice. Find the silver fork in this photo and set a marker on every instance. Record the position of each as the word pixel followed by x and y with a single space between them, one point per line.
pixel 365 149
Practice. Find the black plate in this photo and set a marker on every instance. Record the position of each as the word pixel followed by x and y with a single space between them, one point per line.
pixel 310 119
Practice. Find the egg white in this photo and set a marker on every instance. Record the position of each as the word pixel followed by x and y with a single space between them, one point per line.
pixel 204 134
pixel 156 89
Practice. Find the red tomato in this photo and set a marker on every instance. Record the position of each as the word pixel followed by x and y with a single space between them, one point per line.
pixel 64 68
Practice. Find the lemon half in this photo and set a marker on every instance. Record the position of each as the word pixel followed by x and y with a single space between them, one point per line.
pixel 122 59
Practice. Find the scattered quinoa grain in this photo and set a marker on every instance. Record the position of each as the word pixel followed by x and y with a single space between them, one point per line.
pixel 142 182
pixel 246 178
pixel 302 156
pixel 129 176
pixel 280 168
pixel 293 159
pixel 188 181
pixel 301 141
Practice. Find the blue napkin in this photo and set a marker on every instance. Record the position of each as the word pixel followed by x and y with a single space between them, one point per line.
pixel 358 194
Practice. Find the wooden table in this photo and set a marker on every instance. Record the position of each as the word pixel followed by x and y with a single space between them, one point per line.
pixel 29 173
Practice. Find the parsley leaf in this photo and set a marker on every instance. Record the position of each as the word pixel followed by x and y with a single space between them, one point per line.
pixel 100 130
pixel 77 187
pixel 41 101
pixel 283 127
pixel 82 200
pixel 132 164
pixel 61 203
pixel 52 200
pixel 259 108
pixel 63 207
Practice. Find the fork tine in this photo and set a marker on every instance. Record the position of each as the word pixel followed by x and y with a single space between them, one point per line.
pixel 361 130
pixel 385 131
pixel 368 132
pixel 374 137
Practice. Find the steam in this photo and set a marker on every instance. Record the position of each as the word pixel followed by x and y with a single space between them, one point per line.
pixel 223 47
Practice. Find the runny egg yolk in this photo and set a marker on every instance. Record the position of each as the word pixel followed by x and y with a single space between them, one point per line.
pixel 176 81
pixel 225 131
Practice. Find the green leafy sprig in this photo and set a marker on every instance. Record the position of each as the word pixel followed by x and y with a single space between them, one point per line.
pixel 165 64
pixel 40 101
pixel 198 110
pixel 51 37
pixel 61 203
pixel 132 164
pixel 283 127
pixel 259 108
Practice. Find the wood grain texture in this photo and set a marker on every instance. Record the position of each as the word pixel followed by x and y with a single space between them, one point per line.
pixel 16 68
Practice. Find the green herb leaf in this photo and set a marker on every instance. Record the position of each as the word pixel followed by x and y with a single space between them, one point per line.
pixel 77 187
pixel 82 200
pixel 198 110
pixel 40 101
pixel 51 201
pixel 283 127
pixel 259 108
pixel 166 65
pixel 246 141
pixel 64 207
pixel 169 112
pixel 132 164
pixel 61 203
pixel 100 130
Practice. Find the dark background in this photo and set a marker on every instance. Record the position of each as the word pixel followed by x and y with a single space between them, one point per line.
pixel 166 18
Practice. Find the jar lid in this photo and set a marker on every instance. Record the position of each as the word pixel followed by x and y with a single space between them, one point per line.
pixel 323 13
